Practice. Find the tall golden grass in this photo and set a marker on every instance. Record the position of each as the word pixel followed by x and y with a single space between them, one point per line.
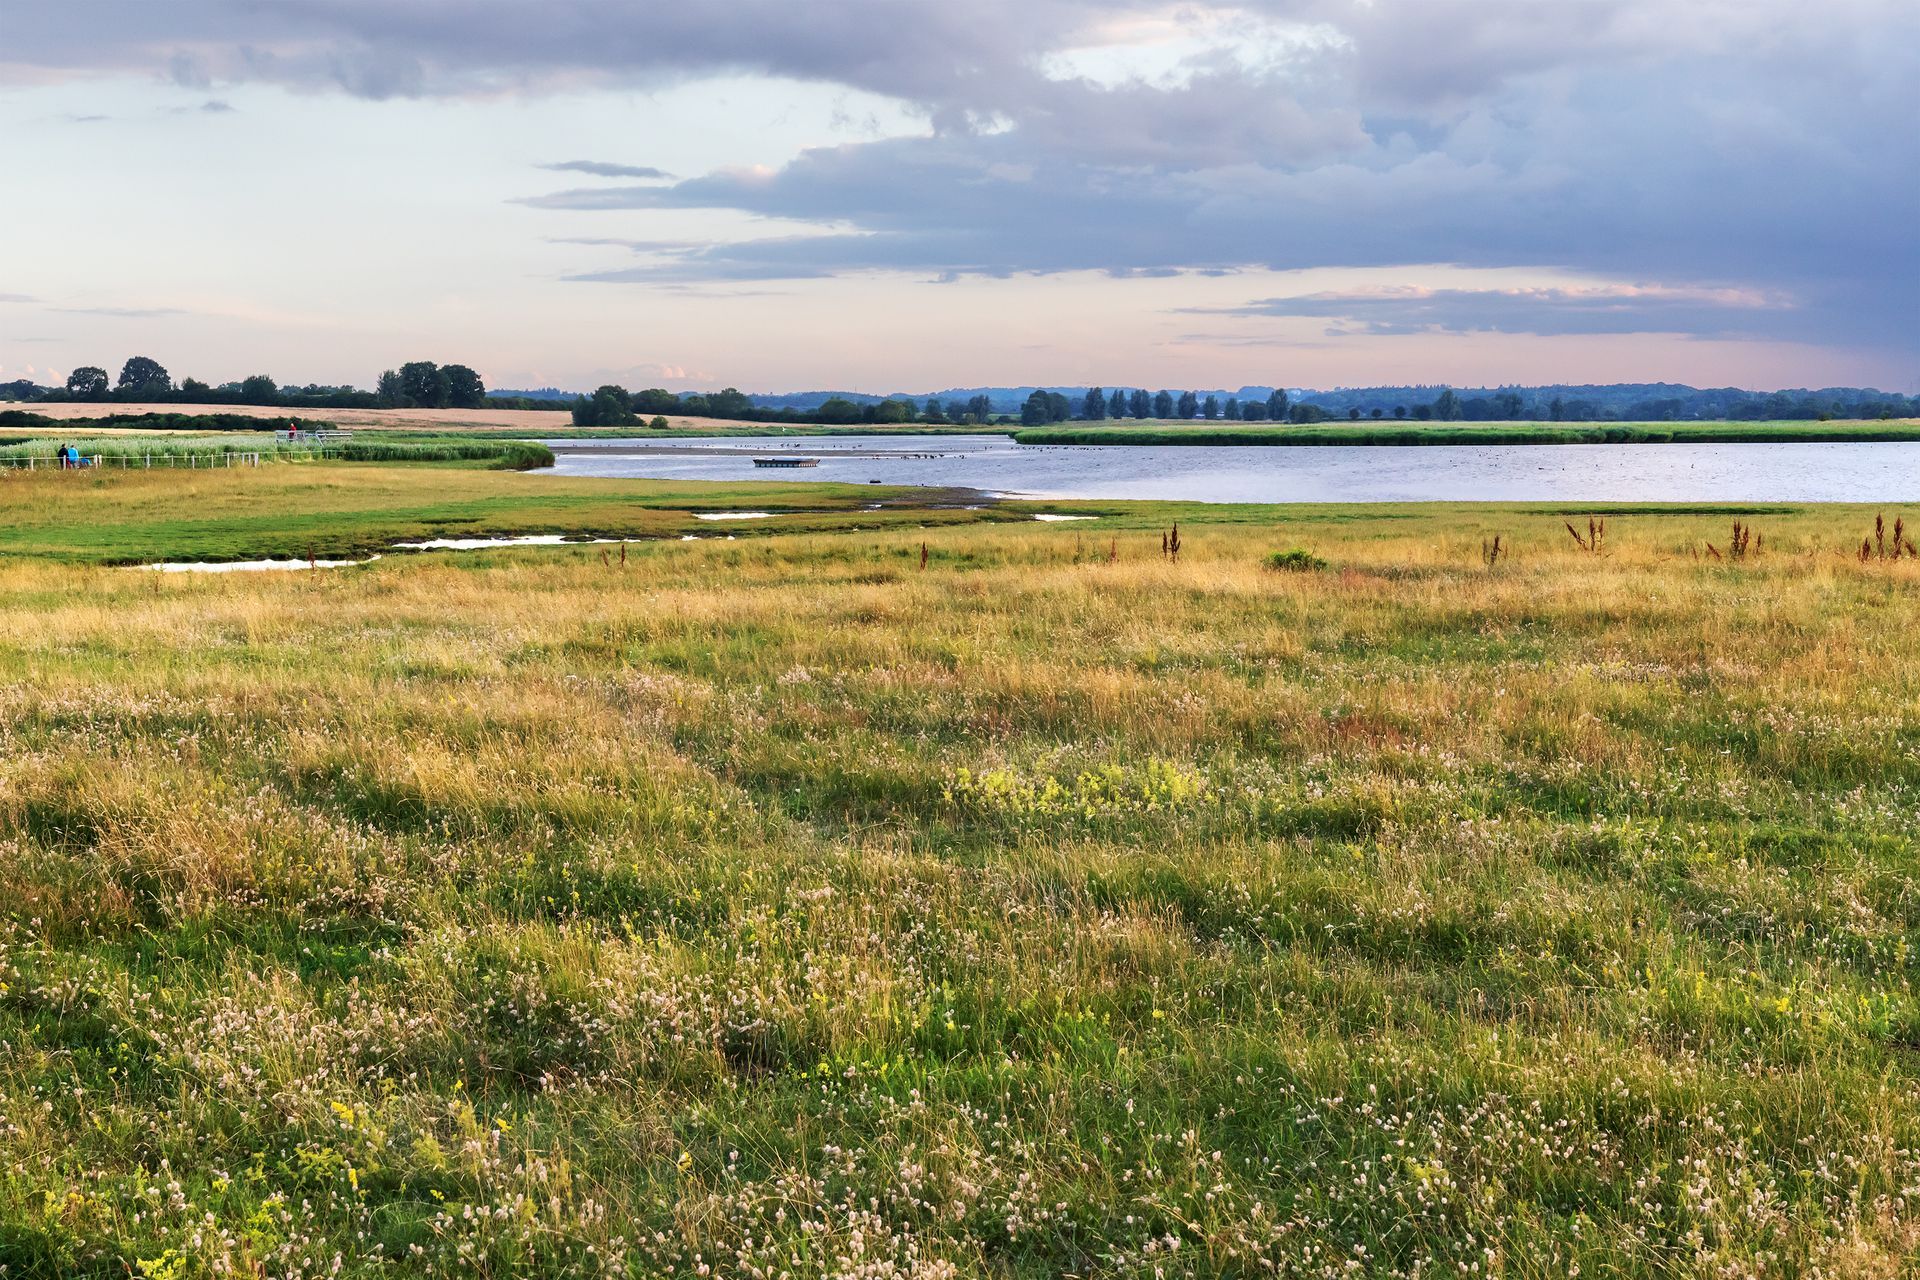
pixel 811 905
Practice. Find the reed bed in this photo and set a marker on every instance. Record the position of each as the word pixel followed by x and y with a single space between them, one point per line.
pixel 169 446
pixel 975 900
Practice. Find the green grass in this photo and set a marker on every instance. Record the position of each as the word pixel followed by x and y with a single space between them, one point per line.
pixel 781 906
pixel 346 509
pixel 1393 432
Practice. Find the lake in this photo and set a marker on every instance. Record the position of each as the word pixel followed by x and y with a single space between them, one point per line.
pixel 1315 473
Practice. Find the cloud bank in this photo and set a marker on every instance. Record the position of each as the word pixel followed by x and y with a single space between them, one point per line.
pixel 1698 150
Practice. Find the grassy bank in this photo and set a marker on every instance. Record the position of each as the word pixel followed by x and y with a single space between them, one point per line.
pixel 342 510
pixel 782 906
pixel 1427 433
pixel 144 447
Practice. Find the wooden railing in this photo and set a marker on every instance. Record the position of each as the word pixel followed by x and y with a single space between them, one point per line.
pixel 166 461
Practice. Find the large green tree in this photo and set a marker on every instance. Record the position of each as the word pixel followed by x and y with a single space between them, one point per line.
pixel 144 378
pixel 259 389
pixel 1094 407
pixel 1034 412
pixel 425 384
pixel 465 390
pixel 609 406
pixel 88 382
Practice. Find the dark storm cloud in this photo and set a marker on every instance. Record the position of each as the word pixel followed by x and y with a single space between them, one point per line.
pixel 1762 146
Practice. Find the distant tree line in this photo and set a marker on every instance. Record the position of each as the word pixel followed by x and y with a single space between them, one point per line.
pixel 615 406
pixel 424 384
pixel 144 380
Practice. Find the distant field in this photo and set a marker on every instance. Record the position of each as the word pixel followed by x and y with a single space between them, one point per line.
pixel 1397 432
pixel 527 422
pixel 798 906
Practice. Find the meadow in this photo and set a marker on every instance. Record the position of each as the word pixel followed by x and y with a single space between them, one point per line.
pixel 932 893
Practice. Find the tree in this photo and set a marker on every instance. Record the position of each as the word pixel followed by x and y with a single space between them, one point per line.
pixel 1353 415
pixel 1035 412
pixel 609 406
pixel 88 382
pixel 1399 411
pixel 730 402
pixel 1094 408
pixel 893 412
pixel 258 389
pixel 1277 406
pixel 936 412
pixel 143 378
pixel 194 389
pixel 1376 414
pixel 1140 404
pixel 838 409
pixel 1117 404
pixel 1447 407
pixel 980 408
pixel 19 389
pixel 425 384
pixel 1253 411
pixel 1210 408
pixel 464 388
pixel 1059 408
pixel 1187 408
pixel 1163 405
pixel 1233 409
pixel 391 392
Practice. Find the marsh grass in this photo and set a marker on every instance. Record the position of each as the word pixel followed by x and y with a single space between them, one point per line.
pixel 774 907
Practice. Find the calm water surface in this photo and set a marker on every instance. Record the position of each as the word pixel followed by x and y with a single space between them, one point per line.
pixel 994 464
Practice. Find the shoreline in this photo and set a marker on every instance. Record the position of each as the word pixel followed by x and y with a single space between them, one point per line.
pixel 1427 435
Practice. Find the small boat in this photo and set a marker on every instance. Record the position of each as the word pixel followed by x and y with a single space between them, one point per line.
pixel 786 462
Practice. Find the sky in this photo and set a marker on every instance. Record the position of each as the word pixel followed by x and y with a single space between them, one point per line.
pixel 904 195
